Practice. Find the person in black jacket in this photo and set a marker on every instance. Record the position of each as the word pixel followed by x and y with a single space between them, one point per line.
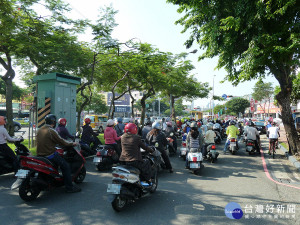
pixel 157 136
pixel 88 135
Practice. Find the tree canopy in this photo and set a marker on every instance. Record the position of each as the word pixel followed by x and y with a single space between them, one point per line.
pixel 252 39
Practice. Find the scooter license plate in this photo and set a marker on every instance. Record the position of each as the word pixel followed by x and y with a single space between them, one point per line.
pixel 183 152
pixel 114 188
pixel 232 144
pixel 22 173
pixel 194 165
pixel 97 159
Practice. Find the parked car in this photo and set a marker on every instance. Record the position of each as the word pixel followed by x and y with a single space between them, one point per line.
pixel 260 126
pixel 126 120
pixel 297 124
pixel 17 126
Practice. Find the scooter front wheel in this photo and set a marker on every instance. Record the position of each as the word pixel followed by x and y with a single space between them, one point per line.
pixel 154 182
pixel 27 192
pixel 80 177
pixel 119 203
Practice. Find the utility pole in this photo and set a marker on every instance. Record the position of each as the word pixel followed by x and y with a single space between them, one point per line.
pixel 212 111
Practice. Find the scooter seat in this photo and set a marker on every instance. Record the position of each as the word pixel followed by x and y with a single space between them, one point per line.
pixel 44 159
pixel 131 169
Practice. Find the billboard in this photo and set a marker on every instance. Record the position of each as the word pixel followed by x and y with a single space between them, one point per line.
pixel 124 100
pixel 122 109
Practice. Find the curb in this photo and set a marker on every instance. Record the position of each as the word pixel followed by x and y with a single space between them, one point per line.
pixel 291 158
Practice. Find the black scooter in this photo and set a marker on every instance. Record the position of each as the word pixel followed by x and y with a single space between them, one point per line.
pixel 6 166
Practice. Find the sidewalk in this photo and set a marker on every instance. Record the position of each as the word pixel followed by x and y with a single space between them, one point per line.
pixel 283 139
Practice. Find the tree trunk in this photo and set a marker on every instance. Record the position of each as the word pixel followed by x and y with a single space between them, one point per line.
pixel 9 109
pixel 283 98
pixel 173 108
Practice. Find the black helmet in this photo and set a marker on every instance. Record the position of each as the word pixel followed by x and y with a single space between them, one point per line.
pixel 232 122
pixel 251 124
pixel 50 119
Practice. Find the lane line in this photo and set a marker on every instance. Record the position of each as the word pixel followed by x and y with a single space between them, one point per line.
pixel 268 174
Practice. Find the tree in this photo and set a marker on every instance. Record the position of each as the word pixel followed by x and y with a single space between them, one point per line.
pixel 263 92
pixel 178 82
pixel 252 39
pixel 237 105
pixel 219 109
pixel 17 92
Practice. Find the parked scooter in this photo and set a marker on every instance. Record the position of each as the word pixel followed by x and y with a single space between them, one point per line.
pixel 39 173
pixel 195 160
pixel 212 153
pixel 5 165
pixel 105 157
pixel 127 185
pixel 232 147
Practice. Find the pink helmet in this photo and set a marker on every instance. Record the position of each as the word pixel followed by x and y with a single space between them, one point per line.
pixel 169 124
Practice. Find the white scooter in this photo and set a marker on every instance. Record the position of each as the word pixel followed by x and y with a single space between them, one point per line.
pixel 195 160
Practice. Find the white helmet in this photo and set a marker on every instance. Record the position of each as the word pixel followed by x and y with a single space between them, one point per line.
pixel 110 122
pixel 156 125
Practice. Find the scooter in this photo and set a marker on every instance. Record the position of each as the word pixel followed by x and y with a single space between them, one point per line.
pixel 105 157
pixel 195 160
pixel 212 153
pixel 170 146
pixel 183 150
pixel 39 173
pixel 218 137
pixel 232 147
pixel 5 165
pixel 127 185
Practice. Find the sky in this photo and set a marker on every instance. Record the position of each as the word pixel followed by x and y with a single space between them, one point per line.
pixel 154 22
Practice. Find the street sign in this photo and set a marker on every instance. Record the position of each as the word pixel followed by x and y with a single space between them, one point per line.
pixel 224 96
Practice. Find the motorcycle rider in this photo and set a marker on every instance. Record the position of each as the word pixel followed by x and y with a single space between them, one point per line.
pixel 120 127
pixel 131 154
pixel 170 129
pixel 4 148
pixel 252 134
pixel 88 135
pixel 62 130
pixel 157 136
pixel 47 138
pixel 111 137
pixel 232 132
pixel 209 139
pixel 194 140
pixel 147 128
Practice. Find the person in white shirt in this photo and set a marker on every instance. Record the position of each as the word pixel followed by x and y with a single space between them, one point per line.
pixel 209 139
pixel 4 148
pixel 272 134
pixel 251 133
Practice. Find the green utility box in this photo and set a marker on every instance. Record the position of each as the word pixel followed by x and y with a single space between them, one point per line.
pixel 56 94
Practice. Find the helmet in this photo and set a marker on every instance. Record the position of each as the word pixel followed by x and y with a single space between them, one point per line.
pixel 50 119
pixel 251 124
pixel 2 120
pixel 209 127
pixel 193 125
pixel 87 120
pixel 231 122
pixel 169 124
pixel 273 124
pixel 62 121
pixel 130 128
pixel 199 124
pixel 247 124
pixel 156 125
pixel 110 122
pixel 120 120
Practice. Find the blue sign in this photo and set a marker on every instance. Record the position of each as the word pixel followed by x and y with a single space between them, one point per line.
pixel 124 100
pixel 224 96
pixel 122 109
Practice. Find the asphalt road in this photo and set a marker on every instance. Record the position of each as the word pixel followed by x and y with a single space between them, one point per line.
pixel 181 197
